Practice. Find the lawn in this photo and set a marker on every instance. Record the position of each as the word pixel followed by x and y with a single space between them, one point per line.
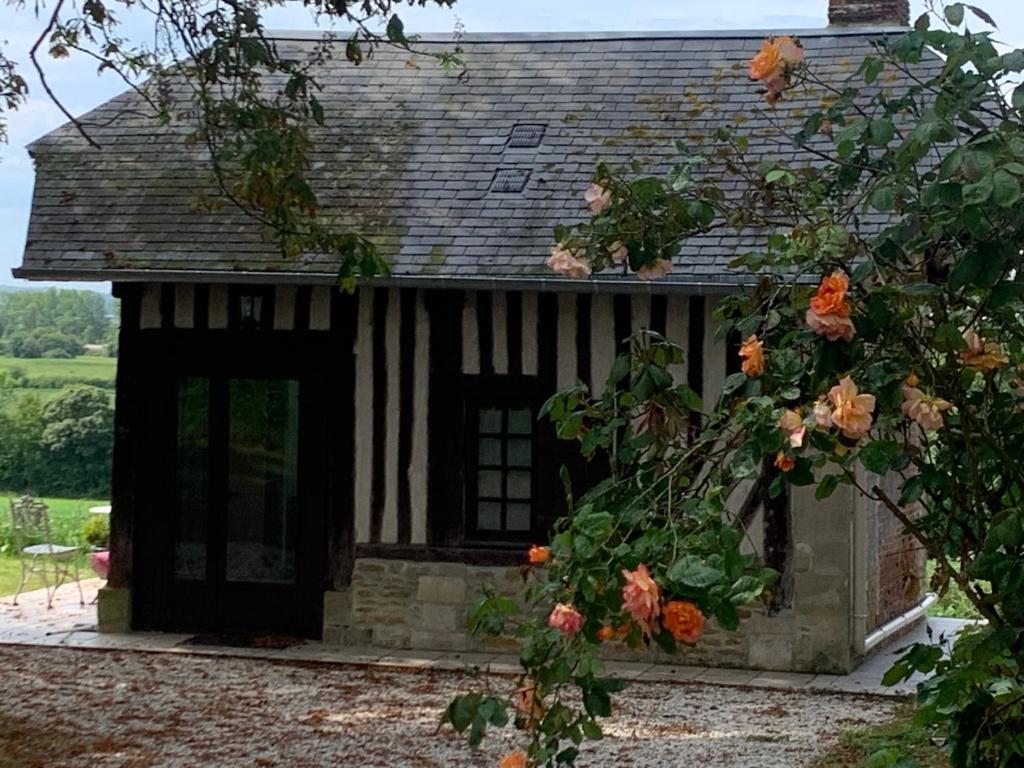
pixel 954 603
pixel 84 367
pixel 67 516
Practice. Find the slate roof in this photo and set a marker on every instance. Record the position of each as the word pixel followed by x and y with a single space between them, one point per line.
pixel 410 154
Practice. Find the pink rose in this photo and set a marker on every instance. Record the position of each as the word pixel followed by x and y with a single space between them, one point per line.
pixel 564 261
pixel 598 198
pixel 565 619
pixel 792 424
pixel 641 596
pixel 832 327
pixel 658 269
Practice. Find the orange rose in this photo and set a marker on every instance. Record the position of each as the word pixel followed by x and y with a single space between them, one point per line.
pixel 539 555
pixel 790 50
pixel 784 462
pixel 683 620
pixel 831 296
pixel 852 410
pixel 604 634
pixel 752 354
pixel 515 759
pixel 768 61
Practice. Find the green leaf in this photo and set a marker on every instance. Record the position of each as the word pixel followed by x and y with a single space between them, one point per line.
pixel 826 487
pixel 396 29
pixel 912 490
pixel 955 14
pixel 880 131
pixel 1005 189
pixel 883 200
pixel 691 572
pixel 978 192
pixel 879 455
pixel 1017 100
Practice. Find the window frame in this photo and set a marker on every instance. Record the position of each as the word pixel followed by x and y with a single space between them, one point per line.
pixel 505 392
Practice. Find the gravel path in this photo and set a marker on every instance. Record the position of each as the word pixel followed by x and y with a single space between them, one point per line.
pixel 66 707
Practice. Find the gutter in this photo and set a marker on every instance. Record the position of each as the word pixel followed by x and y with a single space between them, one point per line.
pixel 541 284
pixel 897 625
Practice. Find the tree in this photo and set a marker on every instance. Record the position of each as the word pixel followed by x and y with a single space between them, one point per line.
pixel 253 108
pixel 887 358
pixel 78 440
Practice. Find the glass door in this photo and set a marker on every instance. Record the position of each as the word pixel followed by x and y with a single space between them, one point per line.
pixel 240 518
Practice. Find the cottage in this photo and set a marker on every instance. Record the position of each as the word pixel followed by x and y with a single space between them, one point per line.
pixel 291 458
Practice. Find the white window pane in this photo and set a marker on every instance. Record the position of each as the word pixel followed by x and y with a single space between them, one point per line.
pixel 518 517
pixel 490 451
pixel 488 516
pixel 520 421
pixel 519 485
pixel 488 483
pixel 490 420
pixel 520 453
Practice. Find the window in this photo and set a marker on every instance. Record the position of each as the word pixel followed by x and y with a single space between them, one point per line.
pixel 500 469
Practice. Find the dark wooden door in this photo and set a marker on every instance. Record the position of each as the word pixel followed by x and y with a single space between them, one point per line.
pixel 237 523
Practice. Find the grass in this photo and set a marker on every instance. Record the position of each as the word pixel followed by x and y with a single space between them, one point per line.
pixel 84 367
pixel 67 516
pixel 954 603
pixel 886 745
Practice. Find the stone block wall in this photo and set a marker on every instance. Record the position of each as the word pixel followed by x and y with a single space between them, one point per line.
pixel 404 604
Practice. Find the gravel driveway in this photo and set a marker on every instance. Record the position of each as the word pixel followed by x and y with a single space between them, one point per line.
pixel 67 707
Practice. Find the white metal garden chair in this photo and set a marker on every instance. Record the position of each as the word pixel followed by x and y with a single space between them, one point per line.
pixel 55 563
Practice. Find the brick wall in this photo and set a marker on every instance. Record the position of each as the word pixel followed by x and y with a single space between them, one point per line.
pixel 869 12
pixel 901 564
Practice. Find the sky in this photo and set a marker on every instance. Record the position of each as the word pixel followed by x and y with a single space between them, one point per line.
pixel 79 86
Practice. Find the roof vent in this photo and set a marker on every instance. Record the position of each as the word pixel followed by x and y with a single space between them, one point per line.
pixel 510 180
pixel 527 135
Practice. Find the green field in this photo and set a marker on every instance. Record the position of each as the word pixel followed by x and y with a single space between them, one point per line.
pixel 67 516
pixel 78 368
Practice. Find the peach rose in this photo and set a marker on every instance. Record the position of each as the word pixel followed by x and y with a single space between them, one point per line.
pixel 925 410
pixel 832 327
pixel 515 759
pixel 564 261
pixel 784 462
pixel 641 596
pixel 792 423
pixel 539 555
pixel 768 61
pixel 565 619
pixel 606 633
pixel 528 702
pixel 822 415
pixel 598 198
pixel 981 355
pixel 852 410
pixel 619 252
pixel 790 50
pixel 752 354
pixel 683 620
pixel 654 271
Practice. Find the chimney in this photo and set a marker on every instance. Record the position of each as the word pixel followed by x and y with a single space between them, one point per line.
pixel 869 13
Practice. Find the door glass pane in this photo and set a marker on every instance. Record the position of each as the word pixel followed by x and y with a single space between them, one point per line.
pixel 520 421
pixel 263 461
pixel 520 452
pixel 519 485
pixel 488 517
pixel 490 421
pixel 489 484
pixel 490 451
pixel 193 479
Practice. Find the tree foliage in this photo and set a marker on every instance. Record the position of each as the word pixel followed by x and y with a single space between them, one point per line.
pixel 251 107
pixel 883 350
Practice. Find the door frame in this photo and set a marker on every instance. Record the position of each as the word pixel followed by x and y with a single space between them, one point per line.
pixel 159 600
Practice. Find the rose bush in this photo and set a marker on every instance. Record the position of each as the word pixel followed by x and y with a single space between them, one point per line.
pixel 885 357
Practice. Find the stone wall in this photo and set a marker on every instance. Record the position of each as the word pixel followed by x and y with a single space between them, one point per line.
pixel 406 604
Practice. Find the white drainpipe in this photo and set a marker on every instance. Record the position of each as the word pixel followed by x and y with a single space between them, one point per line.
pixel 859 576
